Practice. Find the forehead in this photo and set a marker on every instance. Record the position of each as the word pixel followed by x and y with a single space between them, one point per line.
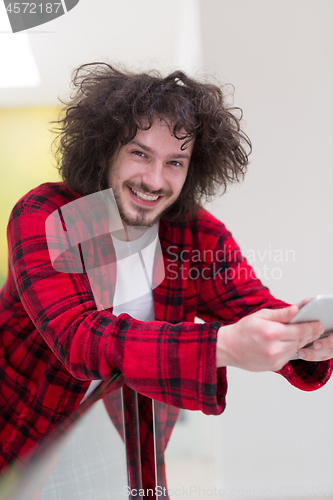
pixel 160 138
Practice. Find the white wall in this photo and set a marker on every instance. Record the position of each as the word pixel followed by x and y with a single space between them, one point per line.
pixel 278 55
pixel 139 34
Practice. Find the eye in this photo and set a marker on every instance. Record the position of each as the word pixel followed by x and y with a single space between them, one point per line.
pixel 139 153
pixel 176 163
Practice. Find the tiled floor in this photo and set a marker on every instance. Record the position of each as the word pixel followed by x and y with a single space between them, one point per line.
pixel 194 479
pixel 191 478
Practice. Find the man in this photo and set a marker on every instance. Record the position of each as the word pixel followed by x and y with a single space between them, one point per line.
pixel 161 145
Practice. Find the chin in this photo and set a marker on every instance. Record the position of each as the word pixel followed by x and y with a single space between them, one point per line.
pixel 140 219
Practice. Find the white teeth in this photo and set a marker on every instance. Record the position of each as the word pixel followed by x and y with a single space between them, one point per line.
pixel 146 197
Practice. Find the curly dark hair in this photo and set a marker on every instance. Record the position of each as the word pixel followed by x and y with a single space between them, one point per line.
pixel 108 107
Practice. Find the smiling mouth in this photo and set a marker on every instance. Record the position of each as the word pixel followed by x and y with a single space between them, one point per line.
pixel 144 196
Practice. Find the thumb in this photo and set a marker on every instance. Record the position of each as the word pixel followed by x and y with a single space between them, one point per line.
pixel 284 315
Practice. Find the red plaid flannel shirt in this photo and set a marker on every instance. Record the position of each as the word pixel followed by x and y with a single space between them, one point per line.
pixel 54 341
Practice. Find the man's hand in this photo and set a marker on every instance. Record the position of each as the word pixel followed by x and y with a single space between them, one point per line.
pixel 265 341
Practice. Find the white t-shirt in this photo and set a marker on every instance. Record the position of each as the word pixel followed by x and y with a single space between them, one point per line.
pixel 133 291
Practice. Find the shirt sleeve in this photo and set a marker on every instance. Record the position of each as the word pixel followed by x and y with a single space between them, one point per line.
pixel 233 291
pixel 174 364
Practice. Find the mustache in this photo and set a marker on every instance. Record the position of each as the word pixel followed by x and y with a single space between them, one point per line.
pixel 143 187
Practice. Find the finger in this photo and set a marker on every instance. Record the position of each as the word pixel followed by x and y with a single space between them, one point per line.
pixel 312 332
pixel 315 354
pixel 324 343
pixel 303 302
pixel 284 315
pixel 302 333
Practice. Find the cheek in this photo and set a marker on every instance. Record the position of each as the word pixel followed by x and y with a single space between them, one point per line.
pixel 115 180
pixel 180 183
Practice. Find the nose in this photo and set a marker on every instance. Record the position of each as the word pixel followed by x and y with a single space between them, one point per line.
pixel 153 176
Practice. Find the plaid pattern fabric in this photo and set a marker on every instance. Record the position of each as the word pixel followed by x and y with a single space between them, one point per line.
pixel 54 341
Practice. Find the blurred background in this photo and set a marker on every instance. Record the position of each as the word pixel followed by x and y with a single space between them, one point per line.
pixel 273 440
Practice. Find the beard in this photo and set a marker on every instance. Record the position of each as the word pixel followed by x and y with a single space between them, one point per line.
pixel 142 216
pixel 141 219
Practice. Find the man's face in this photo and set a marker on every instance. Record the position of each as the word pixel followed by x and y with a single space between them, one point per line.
pixel 148 173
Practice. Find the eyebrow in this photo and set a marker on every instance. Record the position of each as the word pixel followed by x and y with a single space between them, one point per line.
pixel 150 150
